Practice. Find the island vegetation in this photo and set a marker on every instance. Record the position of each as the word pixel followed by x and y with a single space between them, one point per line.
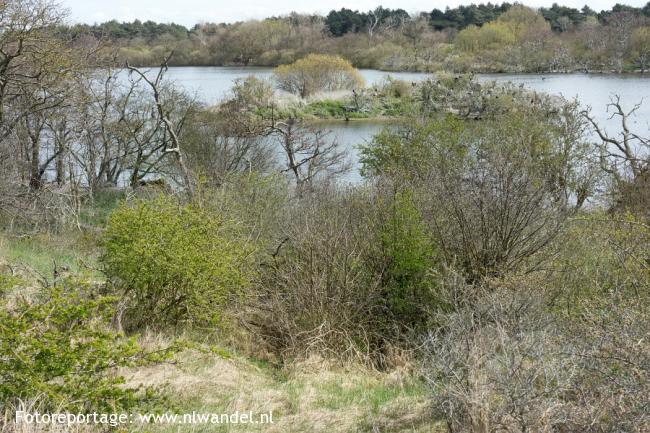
pixel 489 273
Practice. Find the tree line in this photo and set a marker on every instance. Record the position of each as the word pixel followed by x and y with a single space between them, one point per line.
pixel 476 38
pixel 342 21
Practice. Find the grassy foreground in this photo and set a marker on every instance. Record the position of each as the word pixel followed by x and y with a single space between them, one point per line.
pixel 312 395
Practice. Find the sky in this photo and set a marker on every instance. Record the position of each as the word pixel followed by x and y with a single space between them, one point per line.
pixel 190 12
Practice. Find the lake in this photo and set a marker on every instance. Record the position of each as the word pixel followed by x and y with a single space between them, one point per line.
pixel 211 84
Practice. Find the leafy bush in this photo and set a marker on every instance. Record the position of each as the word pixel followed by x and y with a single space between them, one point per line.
pixel 7 282
pixel 495 192
pixel 317 73
pixel 328 108
pixel 492 35
pixel 407 255
pixel 598 254
pixel 59 349
pixel 175 263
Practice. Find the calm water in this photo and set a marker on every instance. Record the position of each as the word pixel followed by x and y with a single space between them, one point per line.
pixel 595 91
pixel 211 84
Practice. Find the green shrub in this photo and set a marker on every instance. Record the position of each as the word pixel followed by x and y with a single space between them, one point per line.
pixel 57 349
pixel 7 282
pixel 408 253
pixel 599 254
pixel 496 192
pixel 327 108
pixel 175 263
pixel 317 73
pixel 96 212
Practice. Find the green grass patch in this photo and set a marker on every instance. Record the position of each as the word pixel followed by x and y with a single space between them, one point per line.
pixel 75 251
pixel 368 393
pixel 327 108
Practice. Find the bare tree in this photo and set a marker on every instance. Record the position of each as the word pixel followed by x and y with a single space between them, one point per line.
pixel 61 126
pixel 95 150
pixel 220 144
pixel 373 21
pixel 625 157
pixel 37 67
pixel 626 153
pixel 33 62
pixel 620 26
pixel 173 129
pixel 309 153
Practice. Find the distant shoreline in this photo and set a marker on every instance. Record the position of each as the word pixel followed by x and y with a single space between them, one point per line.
pixel 416 71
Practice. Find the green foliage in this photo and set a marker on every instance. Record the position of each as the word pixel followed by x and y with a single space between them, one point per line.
pixel 491 36
pixel 599 255
pixel 640 47
pixel 347 21
pixel 137 29
pixel 175 263
pixel 562 18
pixel 497 190
pixel 95 212
pixel 327 108
pixel 317 73
pixel 392 154
pixel 409 254
pixel 344 21
pixel 463 16
pixel 500 41
pixel 524 21
pixel 58 349
pixel 8 282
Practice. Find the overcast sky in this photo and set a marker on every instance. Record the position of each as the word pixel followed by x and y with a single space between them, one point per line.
pixel 190 12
